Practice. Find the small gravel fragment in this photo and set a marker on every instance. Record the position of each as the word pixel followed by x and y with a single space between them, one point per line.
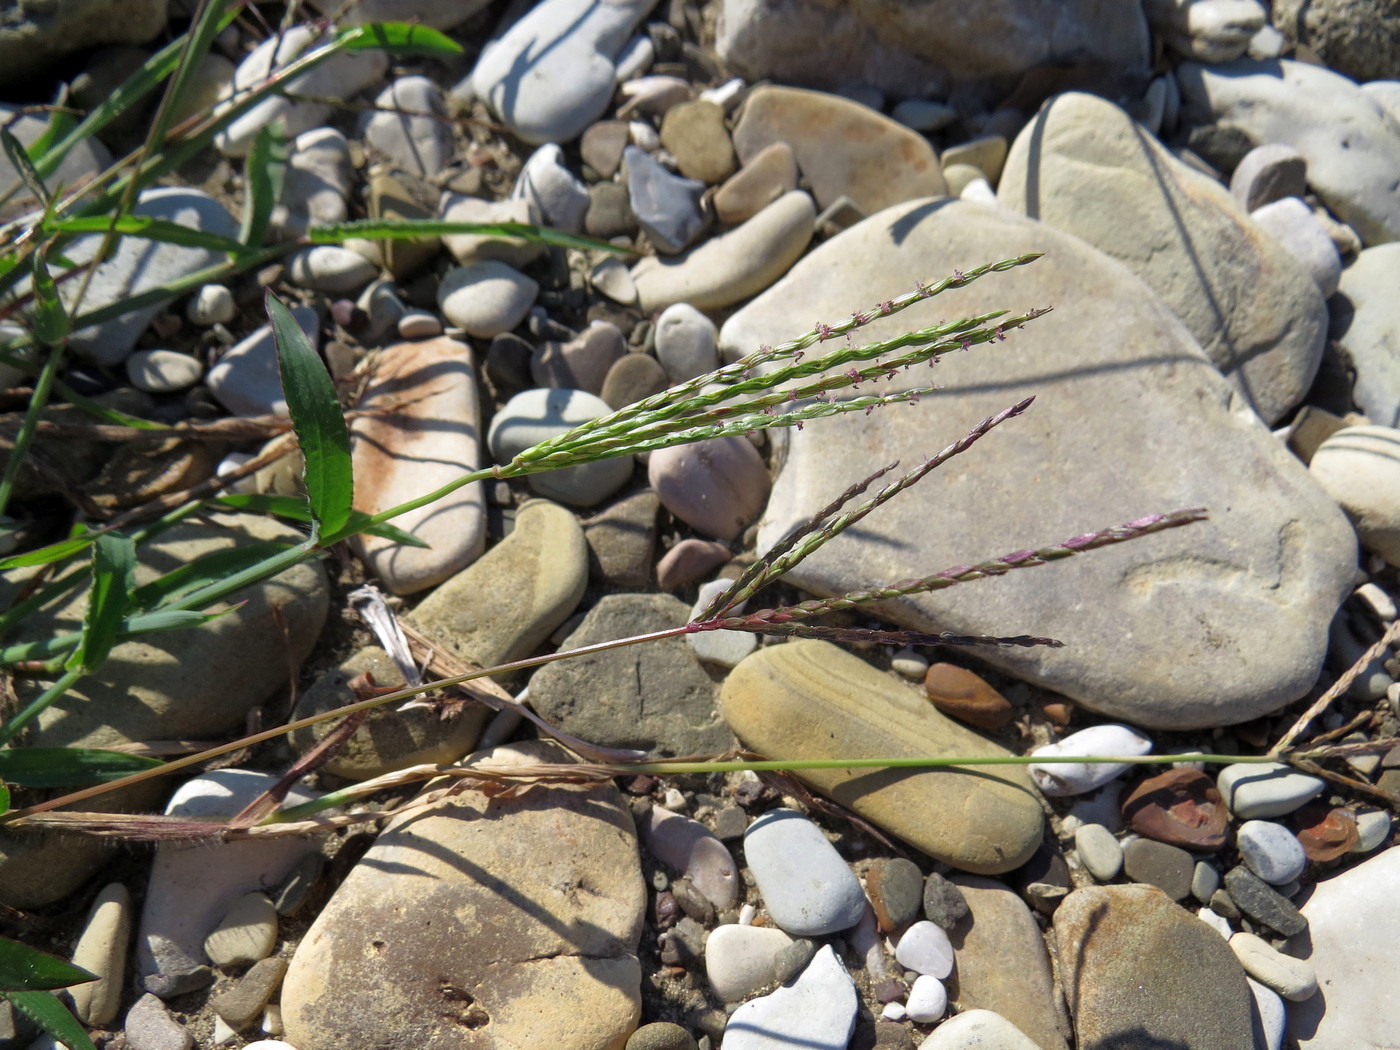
pixel 895 888
pixel 944 903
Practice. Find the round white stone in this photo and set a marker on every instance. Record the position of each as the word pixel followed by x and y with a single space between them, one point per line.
pixel 928 1000
pixel 1072 778
pixel 212 304
pixel 1271 851
pixel 162 371
pixel 926 949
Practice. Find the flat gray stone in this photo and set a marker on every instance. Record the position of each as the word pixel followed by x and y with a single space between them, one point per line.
pixel 806 885
pixel 816 1012
pixel 246 380
pixel 1084 166
pixel 1366 322
pixel 412 127
pixel 1266 789
pixel 1272 564
pixel 539 414
pixel 1271 851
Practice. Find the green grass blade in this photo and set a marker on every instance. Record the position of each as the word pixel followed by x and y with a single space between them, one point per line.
pixel 54 552
pixel 32 412
pixel 24 167
pixel 113 570
pixel 362 522
pixel 263 175
pixel 150 229
pixel 204 570
pixel 55 767
pixel 405 229
pixel 49 322
pixel 53 1017
pixel 398 38
pixel 4 799
pixel 294 508
pixel 25 969
pixel 102 413
pixel 317 420
pixel 61 122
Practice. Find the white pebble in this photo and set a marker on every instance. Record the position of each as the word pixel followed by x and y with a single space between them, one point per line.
pixel 419 324
pixel 163 371
pixel 926 949
pixel 1272 1016
pixel 928 1000
pixel 643 135
pixel 1292 978
pixel 1071 778
pixel 1382 604
pixel 1271 851
pixel 673 799
pixel 246 934
pixel 1216 922
pixel 212 304
pixel 893 1012
pixel 1372 828
pixel 909 663
pixel 747 914
pixel 1266 789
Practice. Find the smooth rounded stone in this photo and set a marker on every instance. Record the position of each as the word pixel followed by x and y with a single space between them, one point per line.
pixel 246 934
pixel 602 144
pixel 150 1026
pixel 537 415
pixel 612 278
pixel 411 127
pixel 502 606
pixel 1072 778
pixel 609 211
pixel 141 693
pixel 1291 978
pixel 163 371
pixel 960 176
pixel 1260 901
pixel 101 951
pixel 666 205
pixel 910 663
pixel 393 200
pixel 944 903
pixel 583 362
pixel 1142 373
pixel 1359 467
pixel 656 697
pixel 966 696
pixel 725 648
pixel 212 304
pixel 242 1004
pixel 817 1011
pixel 690 848
pixel 981 1029
pixel 694 133
pixel 765 176
pixel 661 1035
pixel 622 541
pixel 34 36
pixel 1002 964
pixel 895 887
pixel 1206 30
pixel 688 561
pixel 717 486
pixel 1347 138
pixel 987 154
pixel 438 14
pixel 1266 789
pixel 741 960
pixel 1099 852
pixel 138 266
pixel 843 148
pixel 1271 851
pixel 466 925
pixel 468 248
pixel 654 95
pixel 316 185
pixel 418 430
pixel 552 190
pixel 419 324
pixel 1270 1016
pixel 807 887
pixel 925 948
pixel 1181 807
pixel 1084 166
pixel 551 74
pixel 1294 225
pixel 486 298
pixel 388 739
pixel 1216 922
pixel 734 265
pixel 339 77
pixel 631 379
pixel 331 268
pixel 685 342
pixel 928 1000
pixel 1168 868
pixel 246 380
pixel 1269 173
pixel 811 699
pixel 1355 37
pixel 1136 968
pixel 1353 926
pixel 193 887
pixel 1205 880
pixel 1372 828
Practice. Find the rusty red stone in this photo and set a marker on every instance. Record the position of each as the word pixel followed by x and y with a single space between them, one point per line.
pixel 1181 807
pixel 1325 832
pixel 963 695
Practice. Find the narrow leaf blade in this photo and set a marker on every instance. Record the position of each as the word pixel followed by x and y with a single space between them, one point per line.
pixel 24 969
pixel 264 172
pixel 53 1017
pixel 398 38
pixel 151 229
pixel 317 420
pixel 201 572
pixel 24 167
pixel 53 767
pixel 50 319
pixel 54 552
pixel 407 229
pixel 113 569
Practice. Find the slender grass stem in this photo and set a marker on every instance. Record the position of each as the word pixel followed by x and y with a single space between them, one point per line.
pixel 38 401
pixel 41 703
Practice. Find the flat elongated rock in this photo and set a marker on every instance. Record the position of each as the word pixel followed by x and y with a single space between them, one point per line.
pixel 810 699
pixel 1140 971
pixel 842 147
pixel 1084 166
pixel 1002 964
pixel 1353 925
pixel 420 430
pixel 806 885
pixel 1130 417
pixel 1366 321
pixel 1352 147
pixel 481 923
pixel 817 1011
